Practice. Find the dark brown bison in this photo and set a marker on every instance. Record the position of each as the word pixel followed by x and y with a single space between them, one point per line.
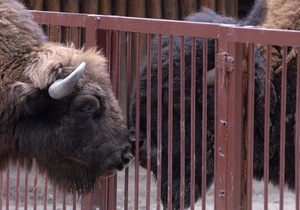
pixel 262 14
pixel 57 106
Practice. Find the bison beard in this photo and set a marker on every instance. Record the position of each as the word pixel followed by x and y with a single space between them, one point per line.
pixel 57 106
pixel 256 17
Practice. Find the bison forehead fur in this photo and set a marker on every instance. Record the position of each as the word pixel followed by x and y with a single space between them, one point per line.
pixel 75 138
pixel 256 17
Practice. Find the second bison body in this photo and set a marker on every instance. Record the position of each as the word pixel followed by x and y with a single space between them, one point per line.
pixel 256 17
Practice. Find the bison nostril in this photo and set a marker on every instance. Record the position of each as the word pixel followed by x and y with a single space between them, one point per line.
pixel 132 138
pixel 127 155
pixel 126 159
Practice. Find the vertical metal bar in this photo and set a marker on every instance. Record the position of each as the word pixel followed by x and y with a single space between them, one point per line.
pixel 220 132
pixel 64 201
pixel 26 190
pixel 7 186
pixel 182 123
pixel 68 35
pixel 58 35
pixel 115 77
pixel 108 36
pixel 1 189
pixel 250 124
pixel 106 43
pixel 204 117
pixel 103 41
pixel 115 43
pixel 297 136
pixel 49 32
pixel 282 127
pixel 159 123
pixel 54 197
pixel 112 192
pixel 45 191
pixel 193 122
pixel 18 185
pixel 91 36
pixel 235 126
pixel 35 187
pixel 128 93
pixel 148 132
pixel 79 37
pixel 102 195
pixel 228 123
pixel 267 127
pixel 115 62
pixel 170 123
pixel 137 123
pixel 97 199
pixel 74 201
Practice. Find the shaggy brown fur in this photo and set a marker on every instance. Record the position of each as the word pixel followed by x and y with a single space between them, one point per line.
pixel 74 139
pixel 283 14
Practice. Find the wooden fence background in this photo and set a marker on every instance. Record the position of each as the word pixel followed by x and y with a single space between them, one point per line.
pixel 167 9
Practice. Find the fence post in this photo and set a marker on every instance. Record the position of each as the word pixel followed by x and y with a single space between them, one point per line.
pixel 228 124
pixel 91 36
pixel 104 194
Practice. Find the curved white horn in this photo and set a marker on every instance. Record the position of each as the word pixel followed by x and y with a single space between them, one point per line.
pixel 62 87
pixel 210 77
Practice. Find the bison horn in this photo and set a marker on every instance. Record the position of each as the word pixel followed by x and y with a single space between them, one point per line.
pixel 210 77
pixel 62 87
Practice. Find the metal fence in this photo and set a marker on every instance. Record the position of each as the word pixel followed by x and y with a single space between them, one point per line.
pixel 127 44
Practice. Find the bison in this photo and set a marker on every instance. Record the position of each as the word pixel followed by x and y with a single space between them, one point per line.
pixel 57 106
pixel 259 16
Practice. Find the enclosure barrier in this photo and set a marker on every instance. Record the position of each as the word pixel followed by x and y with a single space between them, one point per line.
pixel 125 42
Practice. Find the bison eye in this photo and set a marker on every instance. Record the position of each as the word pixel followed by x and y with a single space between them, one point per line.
pixel 86 108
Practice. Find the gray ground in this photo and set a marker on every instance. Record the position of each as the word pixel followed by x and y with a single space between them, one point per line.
pixel 258 195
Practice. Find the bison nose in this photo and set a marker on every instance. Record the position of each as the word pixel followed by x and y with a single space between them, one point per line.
pixel 132 139
pixel 127 156
pixel 132 136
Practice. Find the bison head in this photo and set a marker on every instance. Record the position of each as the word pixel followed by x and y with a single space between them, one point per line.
pixel 67 117
pixel 174 134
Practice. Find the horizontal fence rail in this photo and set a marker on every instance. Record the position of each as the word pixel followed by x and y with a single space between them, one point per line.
pixel 233 33
pixel 201 134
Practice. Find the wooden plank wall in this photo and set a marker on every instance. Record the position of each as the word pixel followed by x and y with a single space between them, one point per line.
pixel 167 9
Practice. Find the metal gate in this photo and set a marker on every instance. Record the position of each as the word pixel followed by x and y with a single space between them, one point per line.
pixel 127 44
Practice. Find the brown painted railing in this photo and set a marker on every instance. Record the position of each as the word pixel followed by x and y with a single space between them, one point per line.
pixel 126 41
